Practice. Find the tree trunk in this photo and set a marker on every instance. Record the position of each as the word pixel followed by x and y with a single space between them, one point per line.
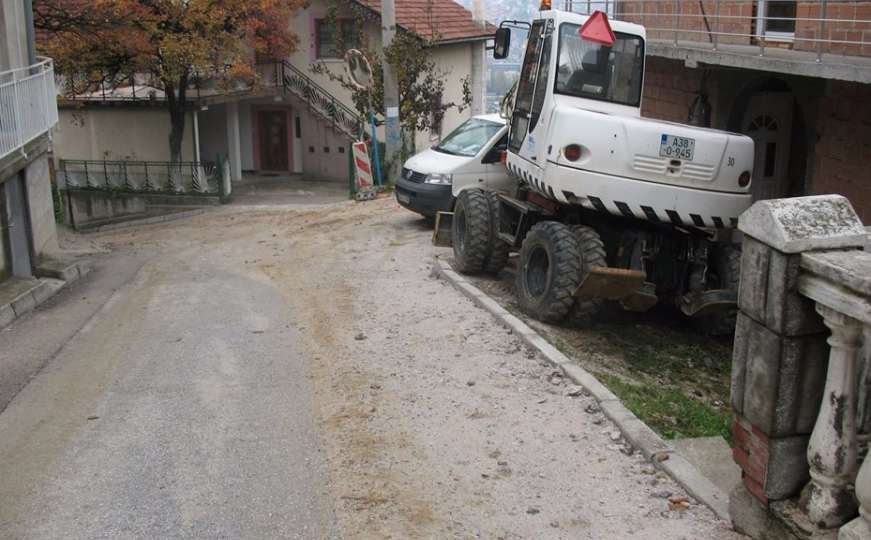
pixel 176 103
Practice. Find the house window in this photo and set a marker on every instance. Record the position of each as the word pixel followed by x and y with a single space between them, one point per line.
pixel 776 19
pixel 328 43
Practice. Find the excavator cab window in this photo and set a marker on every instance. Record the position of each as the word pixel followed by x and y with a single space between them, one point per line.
pixel 590 70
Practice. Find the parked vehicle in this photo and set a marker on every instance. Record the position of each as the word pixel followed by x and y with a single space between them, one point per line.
pixel 470 156
pixel 608 205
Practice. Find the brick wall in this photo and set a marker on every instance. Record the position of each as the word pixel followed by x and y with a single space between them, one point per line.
pixel 842 154
pixel 846 21
pixel 669 89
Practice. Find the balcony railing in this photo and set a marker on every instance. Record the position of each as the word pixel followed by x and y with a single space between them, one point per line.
pixel 28 105
pixel 815 28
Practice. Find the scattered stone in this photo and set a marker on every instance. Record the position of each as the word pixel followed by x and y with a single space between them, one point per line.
pixel 661 456
pixel 360 337
pixel 93 417
pixel 664 494
pixel 554 524
pixel 532 510
pixel 574 391
pixel 540 401
pixel 598 421
pixel 470 383
pixel 592 408
pixel 615 436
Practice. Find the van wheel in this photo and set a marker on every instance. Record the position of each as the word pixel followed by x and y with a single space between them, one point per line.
pixel 592 255
pixel 498 248
pixel 549 271
pixel 470 231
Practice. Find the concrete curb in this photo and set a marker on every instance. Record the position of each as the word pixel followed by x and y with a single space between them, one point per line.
pixel 45 288
pixel 636 432
pixel 144 221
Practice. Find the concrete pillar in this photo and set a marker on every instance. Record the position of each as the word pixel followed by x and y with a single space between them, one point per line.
pixel 234 143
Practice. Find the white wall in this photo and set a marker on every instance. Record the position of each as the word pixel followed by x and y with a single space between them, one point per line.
pixel 456 62
pixel 118 133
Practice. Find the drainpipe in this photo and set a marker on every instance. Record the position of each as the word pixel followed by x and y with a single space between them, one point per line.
pixel 28 28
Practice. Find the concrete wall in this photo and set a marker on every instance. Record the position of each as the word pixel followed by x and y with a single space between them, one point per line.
pixel 213 132
pixel 13 40
pixel 117 133
pixel 93 208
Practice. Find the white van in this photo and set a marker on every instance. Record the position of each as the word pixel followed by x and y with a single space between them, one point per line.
pixel 469 157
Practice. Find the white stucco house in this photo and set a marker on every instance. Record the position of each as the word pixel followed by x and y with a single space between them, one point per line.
pixel 297 121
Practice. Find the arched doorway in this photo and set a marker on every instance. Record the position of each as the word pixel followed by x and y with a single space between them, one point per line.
pixel 767 111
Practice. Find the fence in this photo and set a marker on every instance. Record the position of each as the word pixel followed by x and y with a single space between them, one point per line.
pixel 28 105
pixel 183 177
pixel 801 380
pixel 840 27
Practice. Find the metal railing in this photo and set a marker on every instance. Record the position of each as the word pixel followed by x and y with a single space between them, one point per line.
pixel 145 177
pixel 815 27
pixel 340 115
pixel 28 105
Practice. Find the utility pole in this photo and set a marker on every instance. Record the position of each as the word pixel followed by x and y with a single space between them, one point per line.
pixel 392 132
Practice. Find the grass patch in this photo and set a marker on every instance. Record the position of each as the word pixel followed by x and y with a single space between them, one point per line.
pixel 668 411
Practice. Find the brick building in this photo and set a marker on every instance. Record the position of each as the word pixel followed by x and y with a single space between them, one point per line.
pixel 794 75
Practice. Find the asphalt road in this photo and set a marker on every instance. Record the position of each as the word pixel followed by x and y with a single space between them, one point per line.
pixel 294 371
pixel 175 404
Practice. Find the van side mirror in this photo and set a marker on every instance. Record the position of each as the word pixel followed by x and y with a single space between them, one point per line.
pixel 494 155
pixel 501 43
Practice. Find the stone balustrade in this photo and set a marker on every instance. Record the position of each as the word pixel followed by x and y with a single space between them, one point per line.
pixel 801 375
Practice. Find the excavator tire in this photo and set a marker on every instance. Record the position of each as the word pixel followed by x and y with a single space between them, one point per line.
pixel 471 231
pixel 592 254
pixel 549 271
pixel 497 258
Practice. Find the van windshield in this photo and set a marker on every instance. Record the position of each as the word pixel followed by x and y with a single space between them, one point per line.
pixel 469 138
pixel 589 70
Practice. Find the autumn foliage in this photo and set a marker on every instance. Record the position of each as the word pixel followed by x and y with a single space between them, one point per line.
pixel 172 43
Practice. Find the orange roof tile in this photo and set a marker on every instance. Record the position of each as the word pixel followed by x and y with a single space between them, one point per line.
pixel 444 20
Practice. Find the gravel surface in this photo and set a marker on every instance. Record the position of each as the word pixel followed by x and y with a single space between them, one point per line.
pixel 419 415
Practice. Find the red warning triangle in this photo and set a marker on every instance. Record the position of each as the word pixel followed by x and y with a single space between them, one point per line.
pixel 598 30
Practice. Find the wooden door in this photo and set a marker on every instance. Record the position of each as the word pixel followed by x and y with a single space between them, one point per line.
pixel 273 140
pixel 769 122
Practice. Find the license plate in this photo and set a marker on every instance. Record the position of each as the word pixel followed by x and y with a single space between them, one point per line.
pixel 403 198
pixel 674 147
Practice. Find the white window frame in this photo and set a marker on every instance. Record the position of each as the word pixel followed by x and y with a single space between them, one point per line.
pixel 762 18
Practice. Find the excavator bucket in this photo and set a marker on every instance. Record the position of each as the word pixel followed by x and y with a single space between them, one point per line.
pixel 611 283
pixel 441 236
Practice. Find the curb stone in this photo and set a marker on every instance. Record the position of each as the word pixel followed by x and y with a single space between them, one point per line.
pixel 636 432
pixel 46 288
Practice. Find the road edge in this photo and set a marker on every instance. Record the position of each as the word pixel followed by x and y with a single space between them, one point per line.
pixel 663 456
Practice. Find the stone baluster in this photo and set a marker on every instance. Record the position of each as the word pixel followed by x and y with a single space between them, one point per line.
pixel 860 528
pixel 832 449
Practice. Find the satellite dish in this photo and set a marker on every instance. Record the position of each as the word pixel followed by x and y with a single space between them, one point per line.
pixel 359 69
